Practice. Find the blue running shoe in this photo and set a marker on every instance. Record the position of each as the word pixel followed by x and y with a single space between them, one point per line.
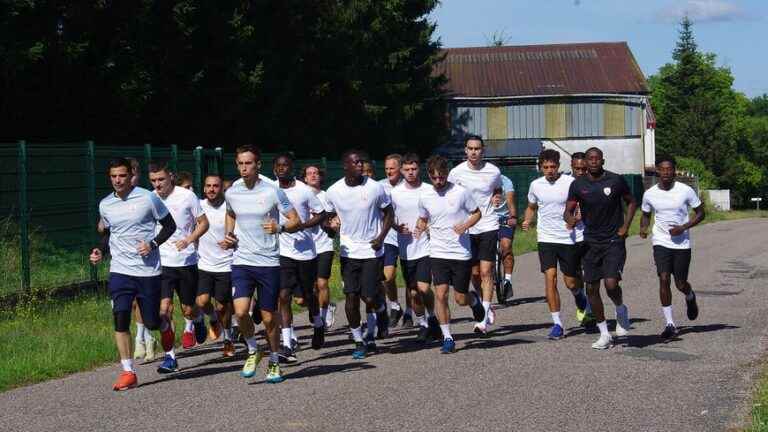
pixel 449 346
pixel 169 365
pixel 201 333
pixel 359 352
pixel 556 332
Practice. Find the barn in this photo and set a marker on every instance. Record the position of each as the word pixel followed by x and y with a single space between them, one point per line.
pixel 568 97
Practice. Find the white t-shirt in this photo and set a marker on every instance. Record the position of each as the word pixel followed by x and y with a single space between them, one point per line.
pixel 212 258
pixel 481 183
pixel 443 210
pixel 299 245
pixel 359 210
pixel 671 208
pixel 251 208
pixel 323 243
pixel 185 209
pixel 405 203
pixel 551 198
pixel 130 221
pixel 391 237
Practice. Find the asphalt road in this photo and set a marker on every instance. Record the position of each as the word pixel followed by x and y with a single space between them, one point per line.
pixel 515 379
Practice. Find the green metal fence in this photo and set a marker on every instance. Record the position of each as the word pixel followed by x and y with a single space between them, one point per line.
pixel 49 197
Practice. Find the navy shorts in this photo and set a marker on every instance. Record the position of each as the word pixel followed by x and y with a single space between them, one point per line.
pixel 264 280
pixel 391 253
pixel 507 232
pixel 145 290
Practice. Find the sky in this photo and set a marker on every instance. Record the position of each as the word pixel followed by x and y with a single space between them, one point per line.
pixel 735 30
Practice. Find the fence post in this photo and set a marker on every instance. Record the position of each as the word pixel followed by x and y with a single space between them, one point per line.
pixel 198 153
pixel 24 216
pixel 175 158
pixel 147 160
pixel 92 214
pixel 218 160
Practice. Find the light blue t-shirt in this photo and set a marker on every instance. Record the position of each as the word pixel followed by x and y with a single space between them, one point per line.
pixel 506 187
pixel 130 221
pixel 251 208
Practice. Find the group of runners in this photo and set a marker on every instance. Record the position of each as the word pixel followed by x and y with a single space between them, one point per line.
pixel 245 253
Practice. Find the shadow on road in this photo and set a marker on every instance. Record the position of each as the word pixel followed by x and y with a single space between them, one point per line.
pixel 318 370
pixel 643 341
pixel 520 301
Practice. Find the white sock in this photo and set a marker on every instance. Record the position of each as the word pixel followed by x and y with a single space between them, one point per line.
pixel 357 334
pixel 421 320
pixel 188 325
pixel 370 324
pixel 487 307
pixel 293 334
pixel 394 305
pixel 234 320
pixel 508 276
pixel 603 326
pixel 286 333
pixel 127 365
pixel 252 345
pixel 171 353
pixel 148 338
pixel 227 334
pixel 668 314
pixel 446 329
pixel 690 295
pixel 140 329
pixel 556 318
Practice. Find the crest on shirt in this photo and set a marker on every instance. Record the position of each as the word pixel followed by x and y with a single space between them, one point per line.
pixel 607 191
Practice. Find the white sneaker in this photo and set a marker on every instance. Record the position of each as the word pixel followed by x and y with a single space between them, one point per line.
pixel 622 321
pixel 604 342
pixel 330 315
pixel 481 328
pixel 139 351
pixel 491 318
pixel 149 343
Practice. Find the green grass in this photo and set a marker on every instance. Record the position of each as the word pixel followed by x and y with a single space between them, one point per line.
pixel 759 414
pixel 41 339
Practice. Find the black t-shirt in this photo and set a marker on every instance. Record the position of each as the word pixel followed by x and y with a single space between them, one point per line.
pixel 601 205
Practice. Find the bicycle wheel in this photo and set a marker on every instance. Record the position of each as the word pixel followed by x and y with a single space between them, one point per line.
pixel 498 279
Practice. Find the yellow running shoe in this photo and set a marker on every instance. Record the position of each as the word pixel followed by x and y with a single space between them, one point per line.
pixel 249 368
pixel 273 373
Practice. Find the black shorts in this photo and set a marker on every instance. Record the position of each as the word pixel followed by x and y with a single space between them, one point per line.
pixel 218 284
pixel 298 277
pixel 552 254
pixel 391 252
pixel 673 261
pixel 604 260
pixel 362 276
pixel 484 246
pixel 418 270
pixel 183 280
pixel 324 264
pixel 451 272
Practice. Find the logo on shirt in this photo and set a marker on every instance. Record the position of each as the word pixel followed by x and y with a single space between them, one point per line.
pixel 607 191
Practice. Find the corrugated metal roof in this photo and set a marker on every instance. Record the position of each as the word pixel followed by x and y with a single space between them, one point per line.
pixel 562 69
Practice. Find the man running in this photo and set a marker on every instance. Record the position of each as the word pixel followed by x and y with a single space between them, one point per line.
pixel 671 202
pixel 578 169
pixel 392 165
pixel 215 263
pixel 365 216
pixel 599 196
pixel 129 217
pixel 314 177
pixel 253 208
pixel 556 241
pixel 447 211
pixel 483 179
pixel 414 252
pixel 179 257
pixel 298 258
pixel 506 211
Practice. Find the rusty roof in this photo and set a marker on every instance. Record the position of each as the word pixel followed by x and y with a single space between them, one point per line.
pixel 532 70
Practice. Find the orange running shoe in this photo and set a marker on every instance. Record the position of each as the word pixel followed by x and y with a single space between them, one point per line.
pixel 125 381
pixel 214 331
pixel 188 340
pixel 229 349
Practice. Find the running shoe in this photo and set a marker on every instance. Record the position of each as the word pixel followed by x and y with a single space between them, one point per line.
pixel 580 315
pixel 249 368
pixel 425 334
pixel 622 321
pixel 318 337
pixel 228 350
pixel 394 317
pixel 169 365
pixel 359 352
pixel 214 331
pixel 149 343
pixel 556 332
pixel 188 340
pixel 692 308
pixel 273 373
pixel 481 328
pixel 139 351
pixel 167 338
pixel 330 315
pixel 370 344
pixel 604 342
pixel 491 316
pixel 382 325
pixel 407 320
pixel 449 346
pixel 126 380
pixel 201 332
pixel 287 355
pixel 669 332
